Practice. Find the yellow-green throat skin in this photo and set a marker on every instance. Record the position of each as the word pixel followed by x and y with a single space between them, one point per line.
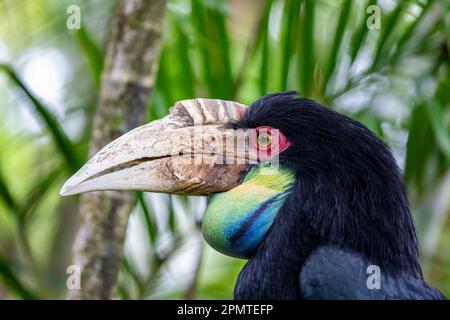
pixel 237 221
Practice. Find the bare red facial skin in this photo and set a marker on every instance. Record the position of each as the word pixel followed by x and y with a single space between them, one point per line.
pixel 277 142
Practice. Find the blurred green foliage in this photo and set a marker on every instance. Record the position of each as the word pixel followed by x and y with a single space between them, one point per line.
pixel 396 80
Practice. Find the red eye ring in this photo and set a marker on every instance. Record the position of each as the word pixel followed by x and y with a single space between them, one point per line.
pixel 270 140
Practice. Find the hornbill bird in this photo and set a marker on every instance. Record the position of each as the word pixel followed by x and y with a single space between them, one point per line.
pixel 313 224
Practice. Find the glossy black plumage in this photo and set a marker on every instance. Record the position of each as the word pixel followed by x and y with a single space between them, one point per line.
pixel 340 274
pixel 348 194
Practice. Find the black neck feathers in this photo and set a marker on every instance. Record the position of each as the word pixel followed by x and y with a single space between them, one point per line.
pixel 348 192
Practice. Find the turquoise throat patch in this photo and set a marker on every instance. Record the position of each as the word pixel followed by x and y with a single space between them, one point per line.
pixel 237 221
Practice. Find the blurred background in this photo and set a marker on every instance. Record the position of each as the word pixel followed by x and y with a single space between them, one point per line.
pixel 395 80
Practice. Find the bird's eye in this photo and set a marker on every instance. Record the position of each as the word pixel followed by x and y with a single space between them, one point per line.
pixel 264 139
pixel 268 142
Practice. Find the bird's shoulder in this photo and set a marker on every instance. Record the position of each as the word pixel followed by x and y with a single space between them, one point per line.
pixel 335 273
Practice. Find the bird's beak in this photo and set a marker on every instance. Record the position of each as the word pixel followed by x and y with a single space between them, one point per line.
pixel 185 152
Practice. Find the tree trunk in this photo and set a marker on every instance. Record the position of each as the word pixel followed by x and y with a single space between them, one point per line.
pixel 127 82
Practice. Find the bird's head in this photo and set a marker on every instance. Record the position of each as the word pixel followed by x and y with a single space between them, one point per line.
pixel 331 176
